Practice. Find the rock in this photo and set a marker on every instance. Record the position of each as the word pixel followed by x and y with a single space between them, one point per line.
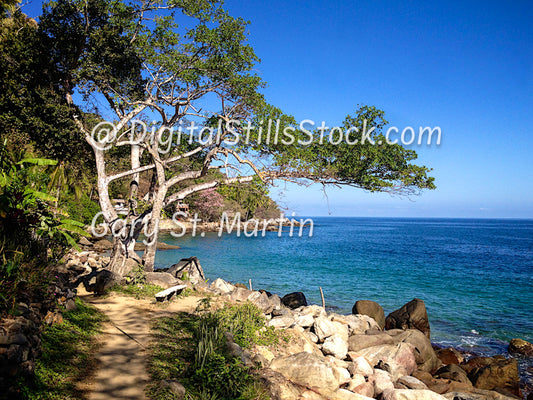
pixel 188 269
pixel 397 359
pixel 310 395
pixel 307 370
pixel 305 321
pixel 342 375
pixel 70 305
pixel 372 309
pixel 425 356
pixel 277 385
pixel 362 387
pixel 294 300
pixel 342 330
pixel 360 324
pixel 497 372
pixel 522 347
pixel 85 242
pixel 240 295
pixel 359 342
pixel 360 366
pixel 314 310
pixel 174 386
pixel 408 394
pixel 93 263
pixel 282 322
pixel 324 328
pixel 220 286
pixel 452 372
pixel 261 301
pixel 382 382
pixel 410 382
pixel 412 315
pixel 163 279
pixel 105 279
pixel 312 337
pixel 52 318
pixel 449 356
pixel 343 394
pixel 336 346
pixel 476 394
pixel 103 245
pixel 275 300
pixel 298 342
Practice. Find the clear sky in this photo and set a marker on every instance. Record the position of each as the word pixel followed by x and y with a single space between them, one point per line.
pixel 466 67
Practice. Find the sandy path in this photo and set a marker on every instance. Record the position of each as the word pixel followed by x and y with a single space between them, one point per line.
pixel 121 372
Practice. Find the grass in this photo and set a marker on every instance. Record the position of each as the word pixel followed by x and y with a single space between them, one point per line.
pixel 191 348
pixel 139 290
pixel 67 357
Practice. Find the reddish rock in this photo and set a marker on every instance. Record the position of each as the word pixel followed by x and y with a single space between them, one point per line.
pixel 494 373
pixel 450 356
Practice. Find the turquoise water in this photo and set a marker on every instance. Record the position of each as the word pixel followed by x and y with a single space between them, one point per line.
pixel 475 276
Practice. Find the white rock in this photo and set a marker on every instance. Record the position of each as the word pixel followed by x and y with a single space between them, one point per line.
pixel 342 375
pixel 336 346
pixel 285 321
pixel 412 383
pixel 324 328
pixel 360 366
pixel 382 381
pixel 220 286
pixel 305 320
pixel 312 337
pixel 360 323
pixel 356 381
pixel 341 329
pixel 410 394
pixel 314 310
pixel 343 394
pixel 400 359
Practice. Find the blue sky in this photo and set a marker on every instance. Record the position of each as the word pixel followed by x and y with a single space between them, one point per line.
pixel 466 67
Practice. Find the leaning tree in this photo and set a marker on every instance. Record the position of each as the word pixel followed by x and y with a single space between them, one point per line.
pixel 177 65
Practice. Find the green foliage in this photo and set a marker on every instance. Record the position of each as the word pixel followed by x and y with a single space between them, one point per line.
pixel 68 355
pixel 247 324
pixel 192 349
pixel 139 291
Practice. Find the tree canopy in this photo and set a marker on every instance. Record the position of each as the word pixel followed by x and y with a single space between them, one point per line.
pixel 174 64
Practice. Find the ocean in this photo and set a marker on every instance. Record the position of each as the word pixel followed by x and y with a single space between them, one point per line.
pixel 474 275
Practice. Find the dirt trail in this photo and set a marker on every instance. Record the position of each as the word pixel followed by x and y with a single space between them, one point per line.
pixel 121 372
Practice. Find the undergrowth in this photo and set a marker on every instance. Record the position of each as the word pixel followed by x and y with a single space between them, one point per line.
pixel 192 349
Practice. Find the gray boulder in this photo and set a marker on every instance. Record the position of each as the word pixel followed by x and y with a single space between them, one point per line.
pixel 163 279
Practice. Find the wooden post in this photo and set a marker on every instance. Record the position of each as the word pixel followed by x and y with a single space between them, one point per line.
pixel 322 295
pixel 250 284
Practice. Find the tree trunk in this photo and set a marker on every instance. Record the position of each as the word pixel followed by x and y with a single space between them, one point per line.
pixel 153 230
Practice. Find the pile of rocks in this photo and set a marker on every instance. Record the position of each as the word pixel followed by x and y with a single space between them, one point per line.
pixel 365 355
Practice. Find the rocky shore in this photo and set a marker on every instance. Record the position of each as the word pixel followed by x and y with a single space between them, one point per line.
pixel 362 356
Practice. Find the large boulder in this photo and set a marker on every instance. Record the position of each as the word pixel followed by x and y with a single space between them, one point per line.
pixel 261 301
pixel 452 372
pixel 398 360
pixel 358 342
pixel 425 356
pixel 324 328
pixel 336 346
pixel 163 279
pixel 360 324
pixel 188 269
pixel 307 370
pixel 522 347
pixel 494 373
pixel 372 309
pixel 449 356
pixel 278 386
pixel 294 300
pixel 412 315
pixel 220 286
